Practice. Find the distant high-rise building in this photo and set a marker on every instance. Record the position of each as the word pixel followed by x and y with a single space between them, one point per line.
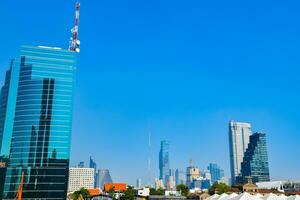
pixel 80 178
pixel 7 112
pixel 216 172
pixel 38 122
pixel 201 183
pixel 239 134
pixel 81 164
pixel 171 183
pixel 139 183
pixel 171 180
pixel 164 162
pixel 159 184
pixel 192 173
pixel 93 165
pixel 255 163
pixel 103 178
pixel 207 174
pixel 180 177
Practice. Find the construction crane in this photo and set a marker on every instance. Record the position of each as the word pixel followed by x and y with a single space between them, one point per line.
pixel 20 190
pixel 74 42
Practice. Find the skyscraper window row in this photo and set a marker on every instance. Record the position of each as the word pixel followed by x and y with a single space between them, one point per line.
pixel 53 125
pixel 20 111
pixel 56 124
pixel 56 141
pixel 24 82
pixel 28 52
pixel 44 182
pixel 30 58
pixel 41 89
pixel 27 136
pixel 37 85
pixel 55 72
pixel 45 54
pixel 18 145
pixel 37 98
pixel 43 77
pixel 44 74
pixel 52 131
pixel 20 121
pixel 28 95
pixel 29 69
pixel 51 66
pixel 56 108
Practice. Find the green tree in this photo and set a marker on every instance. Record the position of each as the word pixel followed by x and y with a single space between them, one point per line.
pixel 81 194
pixel 129 194
pixel 183 189
pixel 112 192
pixel 219 188
pixel 159 191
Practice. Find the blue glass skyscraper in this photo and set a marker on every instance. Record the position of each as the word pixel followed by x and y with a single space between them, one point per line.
pixel 7 110
pixel 93 165
pixel 216 172
pixel 255 163
pixel 38 122
pixel 164 162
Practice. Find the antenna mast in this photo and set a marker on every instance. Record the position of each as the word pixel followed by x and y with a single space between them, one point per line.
pixel 149 157
pixel 74 42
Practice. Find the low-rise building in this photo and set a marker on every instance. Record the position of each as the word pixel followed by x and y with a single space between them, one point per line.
pixel 282 186
pixel 118 187
pixel 158 197
pixel 145 192
pixel 80 178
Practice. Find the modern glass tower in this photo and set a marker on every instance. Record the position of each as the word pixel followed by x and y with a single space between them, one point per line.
pixel 164 162
pixel 103 178
pixel 38 123
pixel 216 172
pixel 93 165
pixel 7 110
pixel 255 163
pixel 239 134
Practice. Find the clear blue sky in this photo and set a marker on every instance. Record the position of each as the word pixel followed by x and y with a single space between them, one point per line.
pixel 181 68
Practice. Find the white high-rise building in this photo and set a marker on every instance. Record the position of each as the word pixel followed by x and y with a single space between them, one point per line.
pixel 139 183
pixel 81 178
pixel 239 135
pixel 192 173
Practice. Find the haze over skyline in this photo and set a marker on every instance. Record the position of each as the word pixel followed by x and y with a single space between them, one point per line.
pixel 182 70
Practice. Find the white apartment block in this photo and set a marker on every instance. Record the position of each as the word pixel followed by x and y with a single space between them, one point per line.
pixel 80 178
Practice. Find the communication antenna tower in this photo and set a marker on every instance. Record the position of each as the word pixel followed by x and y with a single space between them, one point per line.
pixel 149 158
pixel 74 42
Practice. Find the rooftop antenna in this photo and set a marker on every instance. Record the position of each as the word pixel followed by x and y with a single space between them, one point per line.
pixel 191 163
pixel 74 42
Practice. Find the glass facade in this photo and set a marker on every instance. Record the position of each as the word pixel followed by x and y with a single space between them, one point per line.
pixel 255 163
pixel 216 172
pixel 93 165
pixel 239 134
pixel 42 123
pixel 7 110
pixel 164 163
pixel 103 178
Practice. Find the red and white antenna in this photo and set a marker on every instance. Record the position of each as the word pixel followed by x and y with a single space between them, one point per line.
pixel 74 42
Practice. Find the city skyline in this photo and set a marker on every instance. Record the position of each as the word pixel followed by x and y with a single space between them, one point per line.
pixel 185 81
